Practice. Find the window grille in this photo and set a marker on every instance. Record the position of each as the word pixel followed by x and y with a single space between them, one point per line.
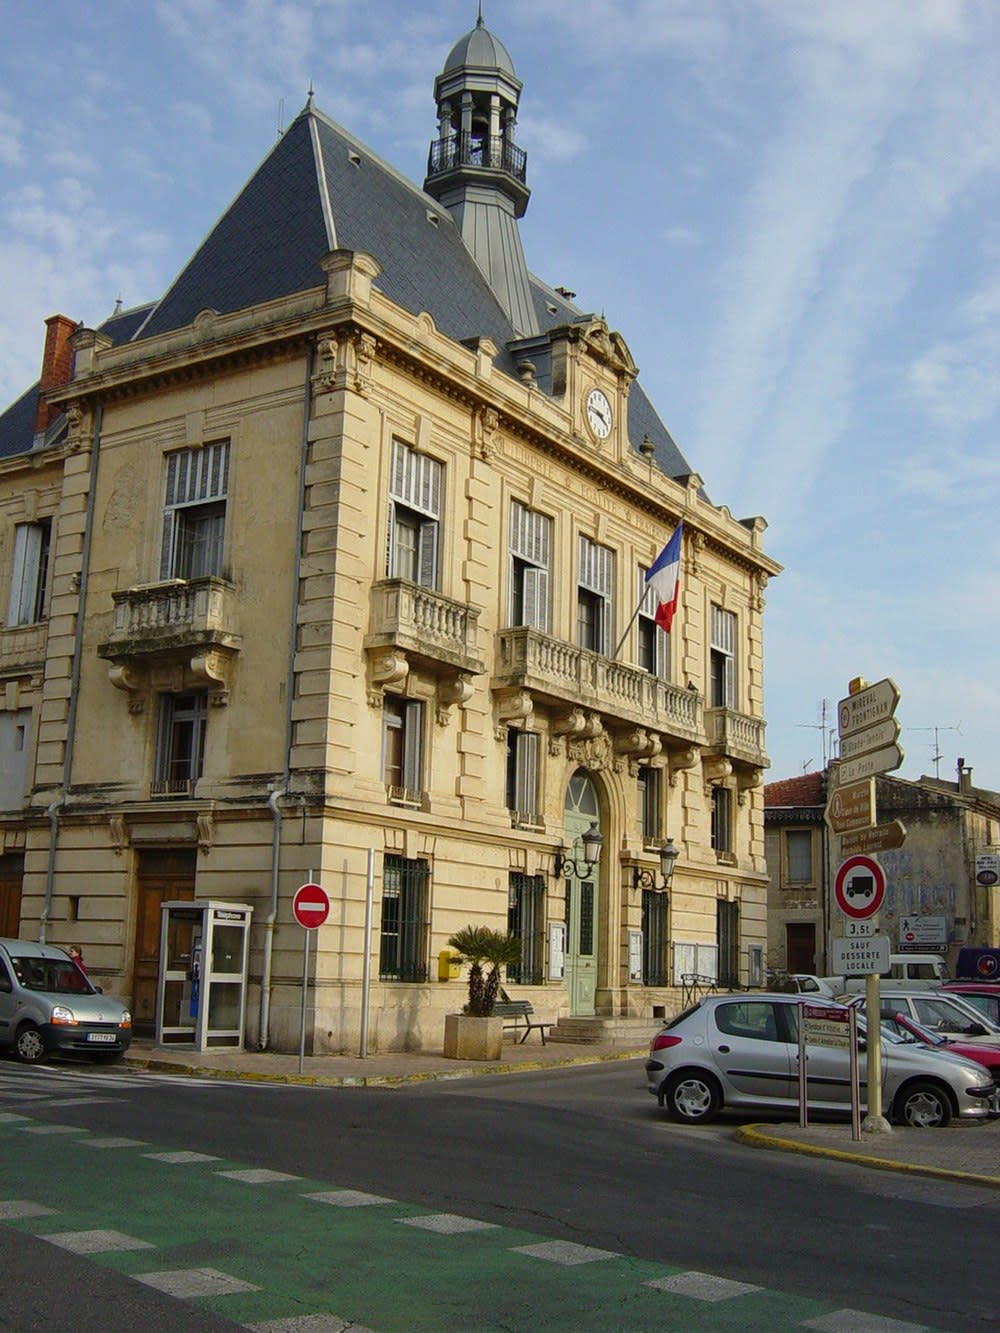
pixel 403 940
pixel 525 919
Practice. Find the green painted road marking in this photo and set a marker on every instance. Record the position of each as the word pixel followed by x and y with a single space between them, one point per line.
pixel 303 1256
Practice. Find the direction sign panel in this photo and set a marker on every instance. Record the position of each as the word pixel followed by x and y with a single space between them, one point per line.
pixel 861 957
pixel 311 906
pixel 851 807
pixel 826 1025
pixel 874 704
pixel 867 765
pixel 859 887
pixel 876 737
pixel 871 841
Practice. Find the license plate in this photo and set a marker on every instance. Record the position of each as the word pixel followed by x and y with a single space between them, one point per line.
pixel 101 1036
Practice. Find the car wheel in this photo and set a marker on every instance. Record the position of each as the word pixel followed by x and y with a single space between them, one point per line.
pixel 28 1045
pixel 692 1098
pixel 923 1105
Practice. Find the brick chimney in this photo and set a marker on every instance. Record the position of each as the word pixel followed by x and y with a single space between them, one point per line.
pixel 57 366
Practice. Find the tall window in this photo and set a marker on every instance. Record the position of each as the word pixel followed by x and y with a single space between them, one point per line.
pixel 648 789
pixel 415 488
pixel 403 942
pixel 727 926
pixel 722 809
pixel 180 743
pixel 723 658
pixel 530 555
pixel 653 653
pixel 194 512
pixel 798 856
pixel 655 967
pixel 594 602
pixel 525 919
pixel 402 748
pixel 30 573
pixel 522 776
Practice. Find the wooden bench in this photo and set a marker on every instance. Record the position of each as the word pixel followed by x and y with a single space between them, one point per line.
pixel 516 1012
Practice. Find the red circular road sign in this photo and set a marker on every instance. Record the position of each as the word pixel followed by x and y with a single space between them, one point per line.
pixel 859 887
pixel 311 906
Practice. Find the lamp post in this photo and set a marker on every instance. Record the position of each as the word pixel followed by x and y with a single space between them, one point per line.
pixel 576 868
pixel 646 879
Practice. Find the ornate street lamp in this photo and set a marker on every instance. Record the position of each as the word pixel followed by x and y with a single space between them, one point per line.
pixel 646 879
pixel 570 868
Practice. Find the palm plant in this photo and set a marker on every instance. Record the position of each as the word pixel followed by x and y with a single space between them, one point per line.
pixel 477 945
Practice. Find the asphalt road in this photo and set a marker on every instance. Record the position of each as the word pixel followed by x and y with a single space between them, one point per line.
pixel 578 1156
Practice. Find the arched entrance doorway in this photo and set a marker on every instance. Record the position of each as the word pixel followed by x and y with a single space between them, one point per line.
pixel 582 897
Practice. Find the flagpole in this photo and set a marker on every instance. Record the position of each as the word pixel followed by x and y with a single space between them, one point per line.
pixel 635 614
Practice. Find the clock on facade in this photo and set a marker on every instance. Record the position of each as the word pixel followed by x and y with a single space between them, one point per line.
pixel 599 414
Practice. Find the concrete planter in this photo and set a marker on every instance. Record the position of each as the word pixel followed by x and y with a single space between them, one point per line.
pixel 468 1038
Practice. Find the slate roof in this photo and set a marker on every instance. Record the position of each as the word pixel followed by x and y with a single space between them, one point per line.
pixel 319 189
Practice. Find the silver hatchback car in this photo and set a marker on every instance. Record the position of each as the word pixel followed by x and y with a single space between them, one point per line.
pixel 741 1051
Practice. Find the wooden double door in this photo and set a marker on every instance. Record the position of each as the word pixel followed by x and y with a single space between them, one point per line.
pixel 164 875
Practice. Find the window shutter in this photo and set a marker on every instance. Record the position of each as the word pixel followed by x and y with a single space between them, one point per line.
pixel 19 571
pixel 413 718
pixel 167 544
pixel 427 555
pixel 527 773
pixel 390 542
pixel 536 598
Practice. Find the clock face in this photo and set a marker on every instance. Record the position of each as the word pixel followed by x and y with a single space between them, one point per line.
pixel 599 415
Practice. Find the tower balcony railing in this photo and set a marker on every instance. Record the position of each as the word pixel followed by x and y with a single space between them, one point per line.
pixel 560 673
pixel 493 152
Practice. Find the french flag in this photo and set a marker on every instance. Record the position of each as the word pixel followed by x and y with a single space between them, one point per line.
pixel 664 577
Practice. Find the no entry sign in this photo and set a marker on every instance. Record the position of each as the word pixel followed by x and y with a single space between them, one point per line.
pixel 311 906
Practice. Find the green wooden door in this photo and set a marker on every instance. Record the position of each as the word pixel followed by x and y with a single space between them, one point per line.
pixel 582 898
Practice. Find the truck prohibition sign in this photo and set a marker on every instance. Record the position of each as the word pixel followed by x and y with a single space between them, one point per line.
pixel 859 887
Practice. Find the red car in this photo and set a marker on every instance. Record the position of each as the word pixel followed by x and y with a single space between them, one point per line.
pixel 984 996
pixel 982 1054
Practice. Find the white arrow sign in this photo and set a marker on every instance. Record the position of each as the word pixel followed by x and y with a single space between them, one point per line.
pixel 867 765
pixel 877 703
pixel 870 738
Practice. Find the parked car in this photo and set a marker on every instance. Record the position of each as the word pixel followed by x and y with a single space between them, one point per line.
pixel 980 995
pixel 803 983
pixel 908 1028
pixel 942 1012
pixel 48 1005
pixel 977 962
pixel 741 1052
pixel 915 971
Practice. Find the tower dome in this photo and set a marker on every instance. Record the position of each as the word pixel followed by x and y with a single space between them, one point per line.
pixel 479 47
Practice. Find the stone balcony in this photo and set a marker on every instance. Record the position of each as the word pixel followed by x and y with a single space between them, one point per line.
pixel 736 736
pixel 561 675
pixel 22 648
pixel 428 628
pixel 187 627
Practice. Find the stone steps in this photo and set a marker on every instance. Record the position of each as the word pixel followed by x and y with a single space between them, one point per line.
pixel 609 1030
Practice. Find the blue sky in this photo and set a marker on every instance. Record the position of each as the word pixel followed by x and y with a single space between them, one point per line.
pixel 787 207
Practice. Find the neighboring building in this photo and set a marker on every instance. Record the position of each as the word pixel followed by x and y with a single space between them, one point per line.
pixel 933 903
pixel 319 566
pixel 795 840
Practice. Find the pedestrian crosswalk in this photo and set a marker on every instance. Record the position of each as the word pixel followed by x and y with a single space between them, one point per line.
pixel 21 1083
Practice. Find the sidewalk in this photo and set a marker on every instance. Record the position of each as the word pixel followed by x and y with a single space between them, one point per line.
pixel 962 1152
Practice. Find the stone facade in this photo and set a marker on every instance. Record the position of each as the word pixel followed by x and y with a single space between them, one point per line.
pixel 237 681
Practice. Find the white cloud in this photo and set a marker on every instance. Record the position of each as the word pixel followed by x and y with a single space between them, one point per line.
pixel 11 140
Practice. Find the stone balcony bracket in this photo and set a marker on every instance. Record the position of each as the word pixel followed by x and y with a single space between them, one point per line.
pixel 513 708
pixel 746 780
pixel 385 669
pixel 715 770
pixel 452 693
pixel 679 760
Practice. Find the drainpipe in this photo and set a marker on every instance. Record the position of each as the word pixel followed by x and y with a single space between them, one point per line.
pixel 280 788
pixel 74 687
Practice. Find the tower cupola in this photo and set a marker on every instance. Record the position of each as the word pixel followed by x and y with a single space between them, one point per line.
pixel 477 170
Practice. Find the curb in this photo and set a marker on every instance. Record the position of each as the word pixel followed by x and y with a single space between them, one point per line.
pixel 155 1065
pixel 754 1137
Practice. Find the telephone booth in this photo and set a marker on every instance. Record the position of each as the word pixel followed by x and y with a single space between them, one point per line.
pixel 204 952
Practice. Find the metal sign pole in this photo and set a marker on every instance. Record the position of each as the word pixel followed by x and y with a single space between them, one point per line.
pixel 366 974
pixel 852 1029
pixel 305 991
pixel 803 1074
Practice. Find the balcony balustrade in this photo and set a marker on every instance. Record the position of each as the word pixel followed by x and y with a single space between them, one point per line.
pixel 476 150
pixel 157 618
pixel 426 626
pixel 560 673
pixel 736 735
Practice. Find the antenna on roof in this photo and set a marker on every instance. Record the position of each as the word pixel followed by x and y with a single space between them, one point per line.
pixel 936 756
pixel 821 727
pixel 281 116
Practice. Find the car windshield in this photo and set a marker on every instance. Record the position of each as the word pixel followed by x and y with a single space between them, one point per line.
pixel 51 974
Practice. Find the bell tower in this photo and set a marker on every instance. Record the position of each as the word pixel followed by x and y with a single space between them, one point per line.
pixel 478 172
